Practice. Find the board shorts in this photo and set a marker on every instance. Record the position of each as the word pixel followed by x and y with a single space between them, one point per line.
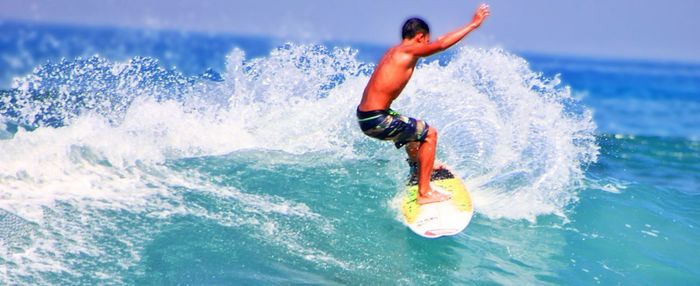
pixel 392 126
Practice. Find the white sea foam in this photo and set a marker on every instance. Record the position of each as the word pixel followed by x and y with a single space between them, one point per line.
pixel 506 130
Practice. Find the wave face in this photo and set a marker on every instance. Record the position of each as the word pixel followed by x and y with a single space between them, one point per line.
pixel 101 160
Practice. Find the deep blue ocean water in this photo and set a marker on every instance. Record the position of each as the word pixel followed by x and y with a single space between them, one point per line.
pixel 168 158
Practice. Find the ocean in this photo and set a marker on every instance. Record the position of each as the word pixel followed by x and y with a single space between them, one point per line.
pixel 141 157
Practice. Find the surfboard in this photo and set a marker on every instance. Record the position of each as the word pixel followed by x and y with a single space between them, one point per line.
pixel 442 218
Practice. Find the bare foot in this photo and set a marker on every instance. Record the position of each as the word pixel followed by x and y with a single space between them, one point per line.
pixel 432 196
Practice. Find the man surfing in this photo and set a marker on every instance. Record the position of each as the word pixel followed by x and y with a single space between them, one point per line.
pixel 392 74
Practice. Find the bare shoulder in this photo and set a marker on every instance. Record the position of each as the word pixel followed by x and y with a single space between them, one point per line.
pixel 402 53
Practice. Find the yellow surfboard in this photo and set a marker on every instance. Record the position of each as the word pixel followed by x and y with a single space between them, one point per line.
pixel 443 218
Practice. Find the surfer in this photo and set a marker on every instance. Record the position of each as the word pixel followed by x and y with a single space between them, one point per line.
pixel 392 74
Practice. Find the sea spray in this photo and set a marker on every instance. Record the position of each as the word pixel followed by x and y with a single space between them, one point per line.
pixel 520 140
pixel 99 139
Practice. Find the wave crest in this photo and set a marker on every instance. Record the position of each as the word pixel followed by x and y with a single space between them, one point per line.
pixel 519 139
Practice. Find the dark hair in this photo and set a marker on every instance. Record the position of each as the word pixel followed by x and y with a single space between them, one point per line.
pixel 414 26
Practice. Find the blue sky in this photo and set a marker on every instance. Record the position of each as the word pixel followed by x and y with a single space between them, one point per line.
pixel 664 30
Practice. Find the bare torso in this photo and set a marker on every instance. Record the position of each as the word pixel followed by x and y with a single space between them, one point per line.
pixel 388 80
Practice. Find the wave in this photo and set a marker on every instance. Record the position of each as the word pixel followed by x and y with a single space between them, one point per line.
pixel 90 136
pixel 504 127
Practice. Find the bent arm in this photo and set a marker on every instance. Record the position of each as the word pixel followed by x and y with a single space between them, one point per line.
pixel 450 39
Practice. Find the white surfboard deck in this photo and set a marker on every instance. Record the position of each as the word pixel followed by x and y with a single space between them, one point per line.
pixel 439 219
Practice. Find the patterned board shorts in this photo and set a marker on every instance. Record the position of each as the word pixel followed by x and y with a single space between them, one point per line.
pixel 390 125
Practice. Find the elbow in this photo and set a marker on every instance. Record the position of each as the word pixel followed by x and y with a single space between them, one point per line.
pixel 444 47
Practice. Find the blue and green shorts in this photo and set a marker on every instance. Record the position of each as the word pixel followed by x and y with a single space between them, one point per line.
pixel 390 125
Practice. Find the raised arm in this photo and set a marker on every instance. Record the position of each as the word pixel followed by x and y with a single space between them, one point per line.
pixel 448 40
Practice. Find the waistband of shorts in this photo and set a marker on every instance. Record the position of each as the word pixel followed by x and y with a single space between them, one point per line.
pixel 371 113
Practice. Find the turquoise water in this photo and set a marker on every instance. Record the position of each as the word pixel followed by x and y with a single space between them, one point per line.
pixel 118 170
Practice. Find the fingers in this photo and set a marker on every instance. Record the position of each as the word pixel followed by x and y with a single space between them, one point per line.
pixel 481 13
pixel 484 9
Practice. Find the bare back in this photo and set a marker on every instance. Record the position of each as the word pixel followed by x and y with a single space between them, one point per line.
pixel 388 80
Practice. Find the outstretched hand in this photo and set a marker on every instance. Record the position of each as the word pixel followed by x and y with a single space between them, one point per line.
pixel 480 15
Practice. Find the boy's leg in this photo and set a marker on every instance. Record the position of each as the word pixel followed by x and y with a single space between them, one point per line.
pixel 412 151
pixel 426 159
